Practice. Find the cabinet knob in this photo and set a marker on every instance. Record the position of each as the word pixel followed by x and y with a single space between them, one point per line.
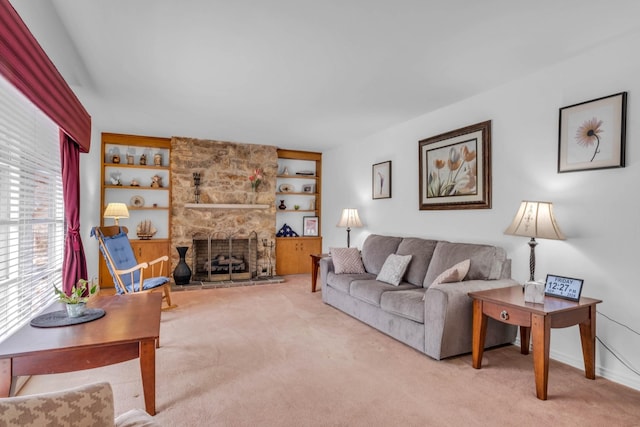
pixel 504 315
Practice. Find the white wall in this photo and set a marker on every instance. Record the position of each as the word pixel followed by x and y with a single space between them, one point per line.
pixel 597 210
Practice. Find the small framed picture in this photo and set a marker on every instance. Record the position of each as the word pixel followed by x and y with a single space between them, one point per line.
pixel 563 287
pixel 308 188
pixel 381 180
pixel 310 226
pixel 592 134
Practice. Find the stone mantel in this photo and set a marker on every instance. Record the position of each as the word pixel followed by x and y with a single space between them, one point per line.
pixel 224 206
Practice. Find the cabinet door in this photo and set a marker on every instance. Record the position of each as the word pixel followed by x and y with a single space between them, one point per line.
pixel 293 254
pixel 149 250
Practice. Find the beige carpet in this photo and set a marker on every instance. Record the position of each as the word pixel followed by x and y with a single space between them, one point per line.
pixel 275 355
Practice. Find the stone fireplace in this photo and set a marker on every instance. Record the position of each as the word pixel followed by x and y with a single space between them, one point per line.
pixel 224 215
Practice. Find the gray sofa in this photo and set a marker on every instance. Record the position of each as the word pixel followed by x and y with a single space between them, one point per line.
pixel 434 319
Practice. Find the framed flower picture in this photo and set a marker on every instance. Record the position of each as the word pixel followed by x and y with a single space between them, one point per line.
pixel 592 134
pixel 455 169
pixel 381 180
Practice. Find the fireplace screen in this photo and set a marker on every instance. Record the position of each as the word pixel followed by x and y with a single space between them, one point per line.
pixel 218 259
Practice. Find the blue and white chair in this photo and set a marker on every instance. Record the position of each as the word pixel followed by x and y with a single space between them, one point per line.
pixel 129 275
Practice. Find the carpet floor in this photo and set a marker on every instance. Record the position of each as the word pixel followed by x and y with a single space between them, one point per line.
pixel 275 355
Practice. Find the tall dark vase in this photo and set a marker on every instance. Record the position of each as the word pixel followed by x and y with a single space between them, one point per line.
pixel 182 273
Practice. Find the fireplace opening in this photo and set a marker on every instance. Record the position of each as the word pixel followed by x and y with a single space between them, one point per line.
pixel 230 258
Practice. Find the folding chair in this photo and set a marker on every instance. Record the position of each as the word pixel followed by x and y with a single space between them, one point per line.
pixel 128 274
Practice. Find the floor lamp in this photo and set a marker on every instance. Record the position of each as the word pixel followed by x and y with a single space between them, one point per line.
pixel 535 220
pixel 349 219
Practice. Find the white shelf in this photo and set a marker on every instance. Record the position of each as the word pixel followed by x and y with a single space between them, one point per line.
pixel 224 206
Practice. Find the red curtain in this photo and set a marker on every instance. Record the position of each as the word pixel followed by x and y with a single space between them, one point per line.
pixel 74 264
pixel 28 68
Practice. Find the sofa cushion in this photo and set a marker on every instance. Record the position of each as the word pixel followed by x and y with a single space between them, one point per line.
pixel 346 260
pixel 408 304
pixel 376 249
pixel 393 269
pixel 342 282
pixel 421 251
pixel 486 260
pixel 370 291
pixel 453 274
pixel 88 405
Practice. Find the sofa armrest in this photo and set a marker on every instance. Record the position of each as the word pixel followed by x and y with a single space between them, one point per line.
pixel 449 318
pixel 326 266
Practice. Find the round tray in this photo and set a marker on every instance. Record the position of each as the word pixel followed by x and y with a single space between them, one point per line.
pixel 60 318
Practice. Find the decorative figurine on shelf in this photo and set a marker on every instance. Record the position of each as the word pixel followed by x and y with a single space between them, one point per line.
pixel 157 159
pixel 156 181
pixel 135 183
pixel 115 178
pixel 143 159
pixel 115 158
pixel 129 159
pixel 282 205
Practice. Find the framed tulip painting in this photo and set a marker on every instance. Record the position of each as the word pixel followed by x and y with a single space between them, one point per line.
pixel 455 169
pixel 381 180
pixel 592 134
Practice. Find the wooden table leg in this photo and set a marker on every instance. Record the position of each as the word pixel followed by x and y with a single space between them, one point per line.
pixel 5 377
pixel 525 339
pixel 315 260
pixel 479 333
pixel 588 339
pixel 148 373
pixel 541 331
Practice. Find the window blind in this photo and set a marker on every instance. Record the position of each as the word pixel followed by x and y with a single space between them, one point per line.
pixel 31 210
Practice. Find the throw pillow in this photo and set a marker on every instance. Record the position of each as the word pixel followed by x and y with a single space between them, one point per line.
pixel 393 269
pixel 453 274
pixel 346 260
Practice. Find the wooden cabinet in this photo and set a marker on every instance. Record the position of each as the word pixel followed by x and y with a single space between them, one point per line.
pixel 293 254
pixel 135 170
pixel 298 184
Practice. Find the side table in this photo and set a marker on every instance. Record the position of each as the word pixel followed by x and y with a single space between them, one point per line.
pixel 507 305
pixel 315 263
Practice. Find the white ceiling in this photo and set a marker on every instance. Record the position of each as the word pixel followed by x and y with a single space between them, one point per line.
pixel 303 74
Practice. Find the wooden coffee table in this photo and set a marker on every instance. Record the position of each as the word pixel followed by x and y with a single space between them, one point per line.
pixel 129 329
pixel 507 305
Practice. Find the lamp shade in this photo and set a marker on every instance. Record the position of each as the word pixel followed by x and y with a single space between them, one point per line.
pixel 349 218
pixel 535 219
pixel 116 211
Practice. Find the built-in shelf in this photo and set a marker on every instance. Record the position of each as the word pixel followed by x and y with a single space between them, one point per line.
pixel 224 206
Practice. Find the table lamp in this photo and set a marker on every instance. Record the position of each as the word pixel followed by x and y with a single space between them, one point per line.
pixel 116 211
pixel 535 220
pixel 349 219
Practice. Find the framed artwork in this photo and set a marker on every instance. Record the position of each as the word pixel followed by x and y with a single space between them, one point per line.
pixel 310 226
pixel 308 188
pixel 592 134
pixel 455 169
pixel 381 180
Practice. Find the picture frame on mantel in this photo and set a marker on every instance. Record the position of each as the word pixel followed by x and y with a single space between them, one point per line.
pixel 592 134
pixel 455 169
pixel 381 180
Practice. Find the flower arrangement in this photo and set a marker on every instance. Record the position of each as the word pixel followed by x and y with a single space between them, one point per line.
pixel 255 179
pixel 78 292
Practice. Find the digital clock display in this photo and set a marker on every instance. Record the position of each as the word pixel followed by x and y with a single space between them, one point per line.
pixel 563 287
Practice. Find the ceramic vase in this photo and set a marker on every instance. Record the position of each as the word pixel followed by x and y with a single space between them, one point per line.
pixel 182 272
